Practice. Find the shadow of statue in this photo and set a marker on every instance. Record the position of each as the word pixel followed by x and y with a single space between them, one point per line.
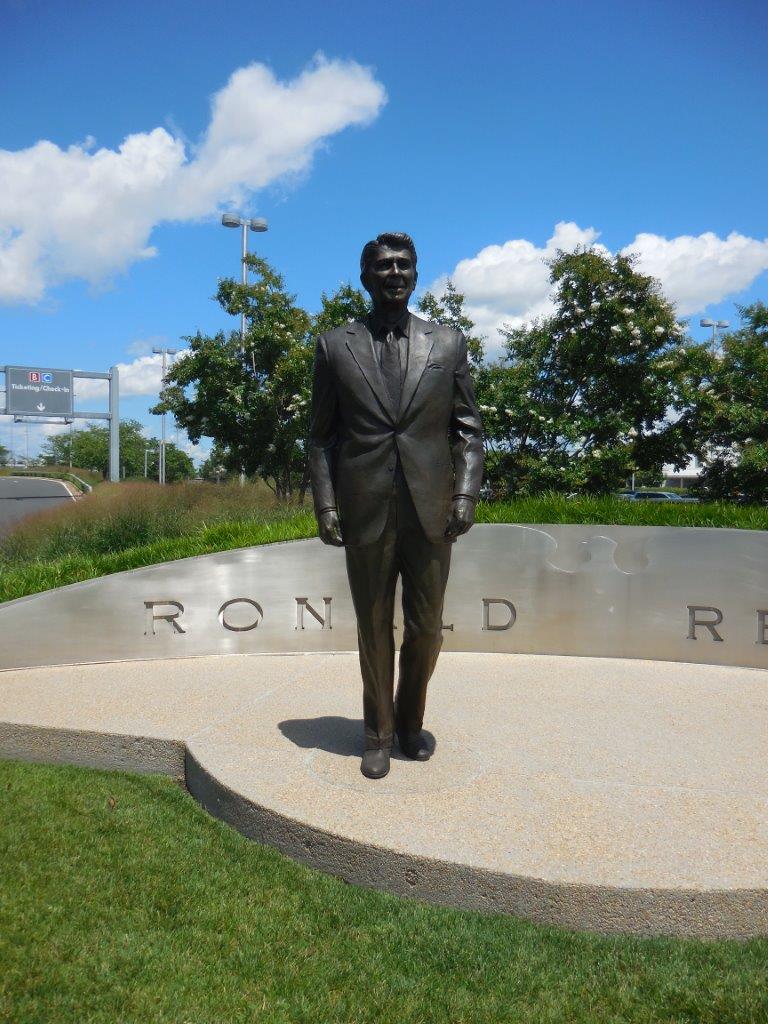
pixel 334 734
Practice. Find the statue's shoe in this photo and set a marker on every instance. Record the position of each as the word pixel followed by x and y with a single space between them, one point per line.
pixel 375 763
pixel 414 745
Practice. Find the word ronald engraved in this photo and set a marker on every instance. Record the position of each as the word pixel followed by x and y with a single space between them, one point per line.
pixel 172 611
pixel 396 459
pixel 660 592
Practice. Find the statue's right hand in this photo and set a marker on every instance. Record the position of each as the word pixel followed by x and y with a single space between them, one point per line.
pixel 330 530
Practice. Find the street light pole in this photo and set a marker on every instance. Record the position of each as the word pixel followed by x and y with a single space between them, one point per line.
pixel 234 220
pixel 165 352
pixel 716 325
pixel 244 258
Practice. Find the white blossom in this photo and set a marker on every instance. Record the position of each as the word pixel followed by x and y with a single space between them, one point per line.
pixel 658 329
pixel 615 329
pixel 578 310
pixel 636 332
pixel 594 305
pixel 627 311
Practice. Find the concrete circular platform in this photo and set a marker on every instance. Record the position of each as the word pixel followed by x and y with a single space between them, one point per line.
pixel 611 795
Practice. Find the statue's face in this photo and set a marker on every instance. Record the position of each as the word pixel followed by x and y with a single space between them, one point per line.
pixel 390 278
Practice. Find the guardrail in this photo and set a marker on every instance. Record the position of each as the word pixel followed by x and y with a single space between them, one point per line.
pixel 84 487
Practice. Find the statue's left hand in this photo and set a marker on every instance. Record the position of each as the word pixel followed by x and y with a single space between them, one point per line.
pixel 462 517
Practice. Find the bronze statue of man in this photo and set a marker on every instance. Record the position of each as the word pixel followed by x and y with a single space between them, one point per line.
pixel 396 457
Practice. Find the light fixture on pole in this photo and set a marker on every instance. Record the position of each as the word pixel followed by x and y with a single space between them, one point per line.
pixel 716 325
pixel 234 220
pixel 164 352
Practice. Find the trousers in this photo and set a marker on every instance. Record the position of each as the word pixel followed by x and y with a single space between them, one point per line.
pixel 402 550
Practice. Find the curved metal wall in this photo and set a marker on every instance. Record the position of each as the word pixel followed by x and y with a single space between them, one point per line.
pixel 666 593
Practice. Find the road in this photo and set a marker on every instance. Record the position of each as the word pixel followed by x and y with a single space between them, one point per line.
pixel 20 496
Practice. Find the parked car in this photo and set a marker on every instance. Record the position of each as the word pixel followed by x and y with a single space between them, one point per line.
pixel 656 496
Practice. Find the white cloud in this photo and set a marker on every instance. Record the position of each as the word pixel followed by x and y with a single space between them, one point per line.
pixel 509 283
pixel 140 377
pixel 143 346
pixel 88 213
pixel 696 271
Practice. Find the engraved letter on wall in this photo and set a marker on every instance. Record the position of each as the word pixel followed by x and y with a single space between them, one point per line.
pixel 153 617
pixel 694 620
pixel 241 600
pixel 324 620
pixel 487 602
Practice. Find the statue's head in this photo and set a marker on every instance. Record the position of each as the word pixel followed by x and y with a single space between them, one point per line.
pixel 388 269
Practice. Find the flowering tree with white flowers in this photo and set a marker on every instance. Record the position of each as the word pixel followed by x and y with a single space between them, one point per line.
pixel 449 310
pixel 731 417
pixel 251 399
pixel 596 391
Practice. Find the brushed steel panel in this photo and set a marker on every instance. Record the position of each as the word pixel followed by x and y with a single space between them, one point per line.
pixel 609 591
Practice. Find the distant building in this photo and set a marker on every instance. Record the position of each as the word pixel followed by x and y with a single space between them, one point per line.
pixel 682 477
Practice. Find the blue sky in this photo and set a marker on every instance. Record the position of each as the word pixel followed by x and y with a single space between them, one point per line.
pixel 477 128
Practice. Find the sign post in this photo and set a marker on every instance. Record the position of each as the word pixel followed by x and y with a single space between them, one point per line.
pixel 35 394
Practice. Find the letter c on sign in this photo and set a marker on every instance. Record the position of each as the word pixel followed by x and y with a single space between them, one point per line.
pixel 240 600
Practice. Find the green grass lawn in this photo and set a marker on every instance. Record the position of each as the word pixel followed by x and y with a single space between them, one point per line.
pixel 122 901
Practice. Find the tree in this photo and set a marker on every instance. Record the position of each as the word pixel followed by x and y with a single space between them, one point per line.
pixel 4 455
pixel 346 304
pixel 250 400
pixel 449 310
pixel 254 404
pixel 214 468
pixel 731 418
pixel 90 450
pixel 582 398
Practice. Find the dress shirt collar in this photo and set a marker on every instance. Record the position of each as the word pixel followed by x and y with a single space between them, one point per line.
pixel 379 327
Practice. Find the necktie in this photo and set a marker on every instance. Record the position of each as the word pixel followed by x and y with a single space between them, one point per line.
pixel 390 366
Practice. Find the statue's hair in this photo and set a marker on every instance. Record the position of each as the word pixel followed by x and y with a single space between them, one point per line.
pixel 389 240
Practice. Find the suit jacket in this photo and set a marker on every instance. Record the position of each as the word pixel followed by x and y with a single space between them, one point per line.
pixel 356 435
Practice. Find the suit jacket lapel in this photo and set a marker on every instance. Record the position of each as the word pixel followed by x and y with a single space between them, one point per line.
pixel 419 346
pixel 360 345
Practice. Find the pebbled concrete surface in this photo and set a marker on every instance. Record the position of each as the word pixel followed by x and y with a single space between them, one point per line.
pixel 619 796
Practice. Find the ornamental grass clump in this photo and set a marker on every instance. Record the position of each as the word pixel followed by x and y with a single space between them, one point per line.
pixel 118 517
